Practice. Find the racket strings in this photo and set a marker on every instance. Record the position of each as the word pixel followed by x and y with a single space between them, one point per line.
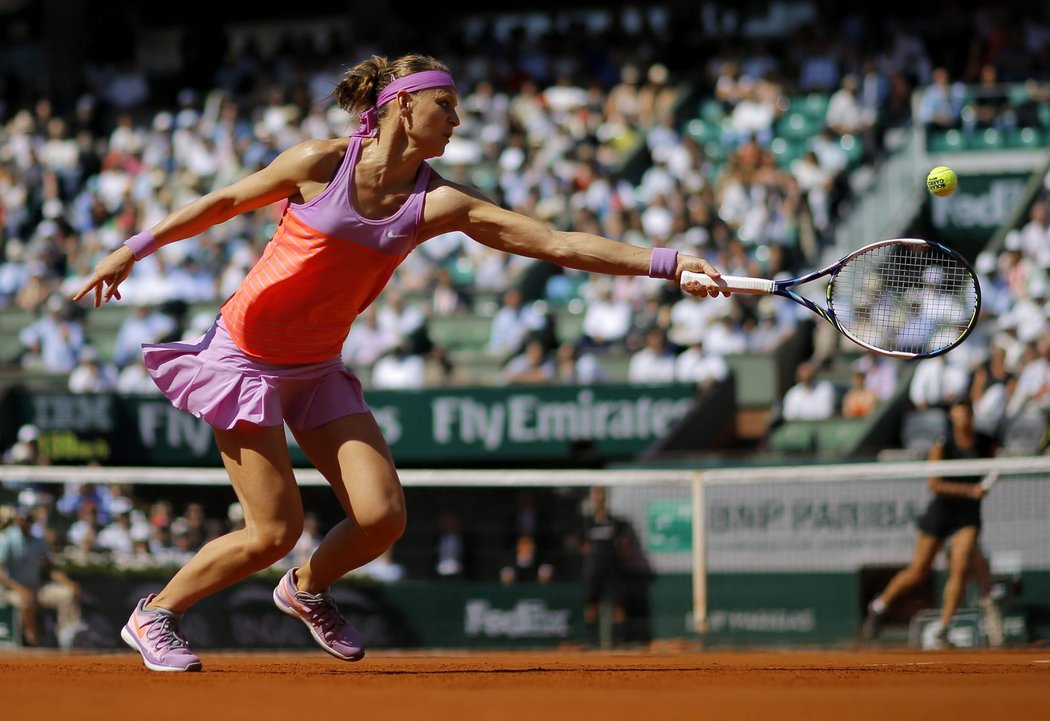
pixel 905 299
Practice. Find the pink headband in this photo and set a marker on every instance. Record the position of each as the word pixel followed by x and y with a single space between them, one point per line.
pixel 409 83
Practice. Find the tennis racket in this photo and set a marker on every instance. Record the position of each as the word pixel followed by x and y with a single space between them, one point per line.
pixel 990 480
pixel 904 298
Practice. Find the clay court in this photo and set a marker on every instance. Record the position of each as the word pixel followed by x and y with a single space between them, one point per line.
pixel 810 685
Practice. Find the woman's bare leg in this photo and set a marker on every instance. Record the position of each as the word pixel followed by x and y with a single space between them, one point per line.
pixel 926 548
pixel 352 455
pixel 963 543
pixel 260 469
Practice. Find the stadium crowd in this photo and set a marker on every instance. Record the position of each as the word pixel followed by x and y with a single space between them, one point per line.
pixel 550 123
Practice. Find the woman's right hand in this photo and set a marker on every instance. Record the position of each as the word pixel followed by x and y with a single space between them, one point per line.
pixel 108 275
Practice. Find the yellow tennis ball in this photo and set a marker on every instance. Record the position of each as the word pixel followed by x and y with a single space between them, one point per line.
pixel 942 181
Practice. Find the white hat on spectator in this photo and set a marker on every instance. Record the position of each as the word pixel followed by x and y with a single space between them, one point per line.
pixel 28 433
pixel 986 262
pixel 1012 241
pixel 14 251
pixel 163 121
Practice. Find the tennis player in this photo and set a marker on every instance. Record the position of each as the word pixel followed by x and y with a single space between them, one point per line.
pixel 356 207
pixel 953 513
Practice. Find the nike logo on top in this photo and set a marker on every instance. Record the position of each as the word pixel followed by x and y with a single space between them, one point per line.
pixel 392 234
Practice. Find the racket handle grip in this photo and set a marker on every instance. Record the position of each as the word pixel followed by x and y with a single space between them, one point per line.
pixel 735 283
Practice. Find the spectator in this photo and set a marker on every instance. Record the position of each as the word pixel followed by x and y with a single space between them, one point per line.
pixel 655 362
pixel 936 382
pixel 143 324
pixel 1032 391
pixel 26 449
pixel 531 366
pixel 446 298
pixel 369 341
pixel 768 331
pixel 606 320
pixel 399 367
pixel 859 400
pixel 941 102
pixel 54 342
pixel 451 547
pixel 992 386
pixel 305 546
pixel 134 379
pixel 117 537
pixel 31 580
pixel 511 322
pixel 383 568
pixel 695 365
pixel 575 366
pixel 92 374
pixel 811 398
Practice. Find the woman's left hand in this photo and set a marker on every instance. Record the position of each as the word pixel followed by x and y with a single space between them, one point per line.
pixel 110 272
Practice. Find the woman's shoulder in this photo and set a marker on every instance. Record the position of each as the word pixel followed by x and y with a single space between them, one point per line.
pixel 311 153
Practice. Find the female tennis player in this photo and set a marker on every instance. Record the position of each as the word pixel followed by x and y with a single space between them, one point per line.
pixel 356 206
pixel 953 513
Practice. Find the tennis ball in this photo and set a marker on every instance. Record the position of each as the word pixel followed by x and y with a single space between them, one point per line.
pixel 942 181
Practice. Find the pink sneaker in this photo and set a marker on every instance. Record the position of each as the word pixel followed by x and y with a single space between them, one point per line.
pixel 156 635
pixel 320 614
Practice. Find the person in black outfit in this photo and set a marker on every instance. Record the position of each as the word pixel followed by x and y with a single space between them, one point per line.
pixel 953 513
pixel 603 547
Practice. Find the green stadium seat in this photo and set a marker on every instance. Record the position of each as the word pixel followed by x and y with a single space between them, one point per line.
pixel 786 151
pixel 715 151
pixel 854 148
pixel 813 105
pixel 941 141
pixel 794 437
pixel 798 126
pixel 1025 138
pixel 704 131
pixel 987 139
pixel 712 111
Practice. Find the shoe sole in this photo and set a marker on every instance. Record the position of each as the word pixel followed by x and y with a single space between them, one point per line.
pixel 285 608
pixel 130 639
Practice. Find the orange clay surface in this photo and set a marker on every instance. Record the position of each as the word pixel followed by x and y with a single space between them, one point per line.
pixel 886 685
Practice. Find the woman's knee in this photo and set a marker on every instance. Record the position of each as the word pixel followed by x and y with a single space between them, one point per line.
pixel 275 539
pixel 385 525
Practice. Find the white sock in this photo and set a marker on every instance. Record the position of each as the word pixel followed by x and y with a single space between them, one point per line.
pixel 878 605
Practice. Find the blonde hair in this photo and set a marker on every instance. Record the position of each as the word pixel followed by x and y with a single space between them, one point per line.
pixel 359 87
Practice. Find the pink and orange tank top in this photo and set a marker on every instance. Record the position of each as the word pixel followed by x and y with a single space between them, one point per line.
pixel 324 265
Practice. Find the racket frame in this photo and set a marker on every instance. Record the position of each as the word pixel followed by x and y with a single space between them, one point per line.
pixel 783 288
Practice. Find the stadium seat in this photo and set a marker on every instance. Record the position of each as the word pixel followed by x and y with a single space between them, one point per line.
pixel 813 105
pixel 794 437
pixel 987 139
pixel 1024 138
pixel 921 428
pixel 1025 433
pixel 786 151
pixel 712 111
pixel 941 141
pixel 798 126
pixel 704 131
pixel 853 147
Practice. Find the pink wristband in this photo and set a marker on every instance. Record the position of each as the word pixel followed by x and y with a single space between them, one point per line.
pixel 142 244
pixel 663 263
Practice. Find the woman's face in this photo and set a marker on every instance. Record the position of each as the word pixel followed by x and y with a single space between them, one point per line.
pixel 434 119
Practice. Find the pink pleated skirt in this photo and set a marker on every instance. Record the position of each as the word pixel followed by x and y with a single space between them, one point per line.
pixel 213 379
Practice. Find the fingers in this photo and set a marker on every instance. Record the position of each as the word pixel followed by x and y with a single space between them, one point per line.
pixel 702 289
pixel 709 270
